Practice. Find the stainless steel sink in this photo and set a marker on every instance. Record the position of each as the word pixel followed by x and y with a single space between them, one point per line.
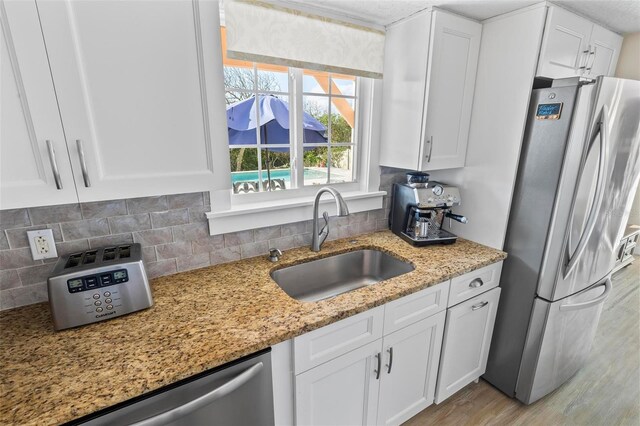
pixel 328 277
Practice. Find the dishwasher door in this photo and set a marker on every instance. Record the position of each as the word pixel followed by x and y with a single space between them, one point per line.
pixel 239 393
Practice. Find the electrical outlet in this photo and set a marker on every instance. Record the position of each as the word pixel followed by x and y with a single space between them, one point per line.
pixel 42 244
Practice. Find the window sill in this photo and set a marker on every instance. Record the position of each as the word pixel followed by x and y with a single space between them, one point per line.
pixel 279 212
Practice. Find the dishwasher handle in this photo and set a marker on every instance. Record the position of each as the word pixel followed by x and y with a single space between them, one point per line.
pixel 206 399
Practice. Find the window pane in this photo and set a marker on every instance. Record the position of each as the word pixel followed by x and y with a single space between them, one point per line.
pixel 274 125
pixel 242 160
pixel 276 169
pixel 244 166
pixel 341 164
pixel 315 166
pixel 342 120
pixel 346 85
pixel 232 97
pixel 272 80
pixel 315 82
pixel 238 78
pixel 316 119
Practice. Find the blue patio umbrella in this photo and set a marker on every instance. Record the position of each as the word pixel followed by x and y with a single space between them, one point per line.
pixel 274 124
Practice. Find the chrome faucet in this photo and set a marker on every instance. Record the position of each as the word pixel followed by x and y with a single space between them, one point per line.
pixel 342 209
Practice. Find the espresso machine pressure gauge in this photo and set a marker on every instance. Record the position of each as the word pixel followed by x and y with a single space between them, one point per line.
pixel 438 190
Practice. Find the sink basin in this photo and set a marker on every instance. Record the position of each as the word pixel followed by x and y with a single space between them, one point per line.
pixel 328 277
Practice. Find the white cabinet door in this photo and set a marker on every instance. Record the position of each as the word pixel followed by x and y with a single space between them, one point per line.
pixel 453 52
pixel 29 116
pixel 343 391
pixel 405 70
pixel 465 347
pixel 565 46
pixel 605 48
pixel 429 79
pixel 130 86
pixel 410 369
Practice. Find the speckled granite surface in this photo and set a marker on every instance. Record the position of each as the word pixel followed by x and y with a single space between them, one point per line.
pixel 201 319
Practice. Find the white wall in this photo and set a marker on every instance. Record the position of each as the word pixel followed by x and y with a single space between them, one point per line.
pixel 506 68
pixel 629 67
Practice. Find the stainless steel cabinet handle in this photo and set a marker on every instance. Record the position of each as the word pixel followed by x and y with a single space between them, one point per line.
pixel 206 399
pixel 593 60
pixel 83 164
pixel 586 54
pixel 390 350
pixel 54 164
pixel 476 283
pixel 377 371
pixel 430 149
pixel 479 306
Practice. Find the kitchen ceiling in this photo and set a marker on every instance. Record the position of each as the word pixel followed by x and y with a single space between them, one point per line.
pixel 622 16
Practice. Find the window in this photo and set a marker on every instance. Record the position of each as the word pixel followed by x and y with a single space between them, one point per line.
pixel 270 177
pixel 304 117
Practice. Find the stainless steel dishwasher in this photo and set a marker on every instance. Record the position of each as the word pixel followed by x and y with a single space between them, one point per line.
pixel 239 393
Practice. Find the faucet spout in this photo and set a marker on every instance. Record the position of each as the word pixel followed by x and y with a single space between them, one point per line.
pixel 318 237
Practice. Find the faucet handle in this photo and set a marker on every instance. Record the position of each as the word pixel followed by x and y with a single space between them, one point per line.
pixel 274 254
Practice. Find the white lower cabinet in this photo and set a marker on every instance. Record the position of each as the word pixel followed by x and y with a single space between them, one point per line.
pixel 409 370
pixel 385 365
pixel 385 382
pixel 466 342
pixel 343 391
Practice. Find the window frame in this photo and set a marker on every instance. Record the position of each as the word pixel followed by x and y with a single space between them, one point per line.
pixel 235 212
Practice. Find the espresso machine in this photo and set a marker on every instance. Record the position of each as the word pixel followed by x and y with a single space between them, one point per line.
pixel 418 212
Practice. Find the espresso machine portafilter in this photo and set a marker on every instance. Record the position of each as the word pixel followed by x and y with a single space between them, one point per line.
pixel 418 212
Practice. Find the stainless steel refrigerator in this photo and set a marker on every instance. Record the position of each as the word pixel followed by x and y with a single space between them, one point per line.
pixel 579 168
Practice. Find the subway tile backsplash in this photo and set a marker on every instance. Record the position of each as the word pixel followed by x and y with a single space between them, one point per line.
pixel 172 229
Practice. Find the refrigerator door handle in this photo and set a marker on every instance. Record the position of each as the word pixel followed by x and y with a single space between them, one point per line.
pixel 572 259
pixel 593 302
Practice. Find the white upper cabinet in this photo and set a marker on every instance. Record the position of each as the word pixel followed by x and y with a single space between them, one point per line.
pixel 129 80
pixel 605 46
pixel 32 143
pixel 118 88
pixel 574 46
pixel 429 79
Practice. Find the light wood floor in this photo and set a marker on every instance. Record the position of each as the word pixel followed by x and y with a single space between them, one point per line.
pixel 606 391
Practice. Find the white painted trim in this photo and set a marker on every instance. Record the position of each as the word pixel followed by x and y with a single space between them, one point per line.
pixel 283 381
pixel 280 212
pixel 203 86
pixel 327 13
pixel 13 61
pixel 515 12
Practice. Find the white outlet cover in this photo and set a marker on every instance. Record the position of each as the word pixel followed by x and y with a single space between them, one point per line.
pixel 47 234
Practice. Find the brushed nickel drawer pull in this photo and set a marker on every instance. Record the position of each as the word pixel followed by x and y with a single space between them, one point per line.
pixel 54 164
pixel 476 283
pixel 479 306
pixel 83 164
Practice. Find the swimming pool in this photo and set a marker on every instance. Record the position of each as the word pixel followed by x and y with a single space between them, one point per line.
pixel 252 176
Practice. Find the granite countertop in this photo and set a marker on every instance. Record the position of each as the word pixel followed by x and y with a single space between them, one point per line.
pixel 201 319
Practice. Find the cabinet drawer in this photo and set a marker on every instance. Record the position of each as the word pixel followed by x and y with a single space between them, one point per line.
pixel 416 306
pixel 474 283
pixel 328 342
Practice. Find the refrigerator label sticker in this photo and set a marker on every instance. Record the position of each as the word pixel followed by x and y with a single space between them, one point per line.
pixel 549 111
